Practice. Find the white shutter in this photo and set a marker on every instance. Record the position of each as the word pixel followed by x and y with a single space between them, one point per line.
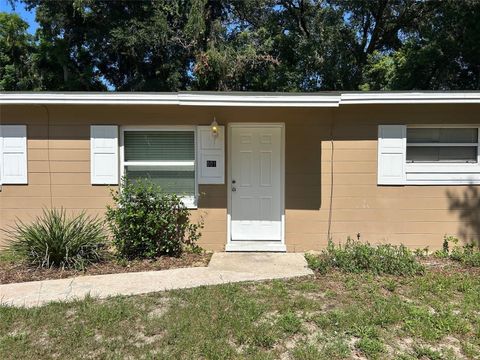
pixel 104 154
pixel 13 151
pixel 211 155
pixel 392 149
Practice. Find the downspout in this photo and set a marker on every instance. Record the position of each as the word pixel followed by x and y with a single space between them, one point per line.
pixel 332 147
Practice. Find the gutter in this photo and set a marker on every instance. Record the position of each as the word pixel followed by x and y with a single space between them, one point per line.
pixel 332 100
pixel 410 98
pixel 171 99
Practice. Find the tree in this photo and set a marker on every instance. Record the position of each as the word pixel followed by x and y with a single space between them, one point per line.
pixel 258 45
pixel 442 54
pixel 16 55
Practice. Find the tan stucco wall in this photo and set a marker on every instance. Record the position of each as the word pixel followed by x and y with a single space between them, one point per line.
pixel 418 216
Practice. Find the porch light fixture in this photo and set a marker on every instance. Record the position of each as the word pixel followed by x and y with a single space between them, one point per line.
pixel 214 126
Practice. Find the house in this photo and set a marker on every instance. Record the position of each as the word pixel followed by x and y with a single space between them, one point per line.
pixel 267 171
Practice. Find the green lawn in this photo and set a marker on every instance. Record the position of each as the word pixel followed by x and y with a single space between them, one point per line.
pixel 436 316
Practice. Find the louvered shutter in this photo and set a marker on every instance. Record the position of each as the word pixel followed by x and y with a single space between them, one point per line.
pixel 13 151
pixel 392 148
pixel 104 154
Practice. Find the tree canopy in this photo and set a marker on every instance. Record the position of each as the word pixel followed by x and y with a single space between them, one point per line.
pixel 257 45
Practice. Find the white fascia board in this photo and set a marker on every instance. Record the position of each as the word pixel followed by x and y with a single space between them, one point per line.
pixel 259 100
pixel 410 98
pixel 247 100
pixel 89 99
pixel 171 99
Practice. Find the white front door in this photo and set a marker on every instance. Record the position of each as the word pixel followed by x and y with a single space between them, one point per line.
pixel 256 184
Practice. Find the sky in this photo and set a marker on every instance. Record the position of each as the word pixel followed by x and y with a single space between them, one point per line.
pixel 28 16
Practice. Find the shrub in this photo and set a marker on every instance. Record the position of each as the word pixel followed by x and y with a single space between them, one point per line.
pixel 468 254
pixel 56 240
pixel 147 222
pixel 355 257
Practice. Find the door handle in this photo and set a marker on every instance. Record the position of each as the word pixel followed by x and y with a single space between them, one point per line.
pixel 234 188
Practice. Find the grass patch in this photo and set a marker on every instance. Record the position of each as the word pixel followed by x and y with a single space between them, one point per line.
pixel 335 316
pixel 371 347
pixel 9 257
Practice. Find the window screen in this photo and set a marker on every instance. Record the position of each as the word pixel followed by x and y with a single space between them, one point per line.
pixel 442 135
pixel 437 145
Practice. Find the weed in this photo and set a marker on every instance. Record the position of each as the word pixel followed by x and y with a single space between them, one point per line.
pixel 391 285
pixel 355 257
pixel 421 253
pixel 371 347
pixel 421 352
pixel 290 323
pixel 306 352
pixel 468 254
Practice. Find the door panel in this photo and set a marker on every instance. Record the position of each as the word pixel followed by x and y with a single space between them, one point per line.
pixel 256 183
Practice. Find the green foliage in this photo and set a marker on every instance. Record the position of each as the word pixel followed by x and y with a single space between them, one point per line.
pixel 355 257
pixel 17 70
pixel 378 72
pixel 306 352
pixel 57 240
pixel 371 347
pixel 147 222
pixel 290 323
pixel 262 45
pixel 391 285
pixel 421 253
pixel 431 316
pixel 8 256
pixel 422 352
pixel 468 255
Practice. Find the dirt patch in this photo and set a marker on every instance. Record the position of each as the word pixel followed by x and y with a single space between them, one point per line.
pixel 13 272
pixel 160 309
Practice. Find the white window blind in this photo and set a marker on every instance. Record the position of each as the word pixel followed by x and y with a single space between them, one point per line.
pixel 165 157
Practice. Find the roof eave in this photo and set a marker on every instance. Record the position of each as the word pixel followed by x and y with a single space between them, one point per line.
pixel 171 99
pixel 239 99
pixel 411 98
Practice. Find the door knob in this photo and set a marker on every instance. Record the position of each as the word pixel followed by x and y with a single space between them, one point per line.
pixel 234 188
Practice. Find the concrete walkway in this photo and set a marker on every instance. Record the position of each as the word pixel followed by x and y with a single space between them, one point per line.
pixel 223 268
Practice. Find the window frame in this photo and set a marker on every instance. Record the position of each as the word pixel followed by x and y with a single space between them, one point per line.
pixel 443 173
pixel 189 201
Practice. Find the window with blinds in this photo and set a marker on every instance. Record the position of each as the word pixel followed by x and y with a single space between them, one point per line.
pixel 442 145
pixel 167 158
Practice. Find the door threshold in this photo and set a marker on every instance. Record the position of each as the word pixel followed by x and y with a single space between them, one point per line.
pixel 267 246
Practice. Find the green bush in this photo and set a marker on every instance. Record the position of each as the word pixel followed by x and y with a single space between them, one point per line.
pixel 147 222
pixel 56 240
pixel 355 257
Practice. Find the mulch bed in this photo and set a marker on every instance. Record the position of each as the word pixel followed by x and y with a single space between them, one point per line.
pixel 13 272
